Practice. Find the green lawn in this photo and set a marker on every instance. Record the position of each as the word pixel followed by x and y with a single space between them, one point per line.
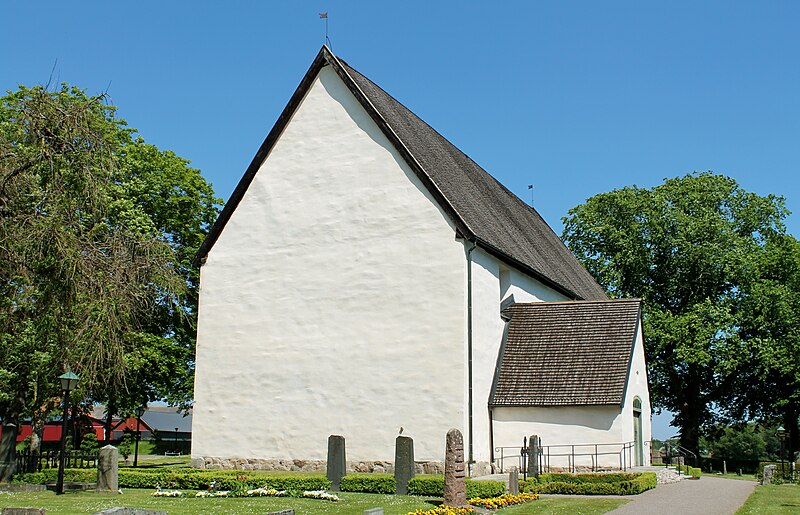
pixel 566 506
pixel 351 504
pixel 772 500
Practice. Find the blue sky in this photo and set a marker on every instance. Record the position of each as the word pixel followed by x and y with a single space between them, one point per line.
pixel 576 98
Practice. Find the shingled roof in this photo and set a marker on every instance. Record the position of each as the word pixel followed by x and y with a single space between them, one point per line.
pixel 481 208
pixel 566 353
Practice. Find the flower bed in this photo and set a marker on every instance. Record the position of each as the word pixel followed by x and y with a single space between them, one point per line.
pixel 443 510
pixel 495 503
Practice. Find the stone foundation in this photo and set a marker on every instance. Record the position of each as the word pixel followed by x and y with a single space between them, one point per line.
pixel 374 467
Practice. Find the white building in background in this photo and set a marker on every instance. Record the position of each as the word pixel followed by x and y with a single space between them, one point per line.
pixel 365 276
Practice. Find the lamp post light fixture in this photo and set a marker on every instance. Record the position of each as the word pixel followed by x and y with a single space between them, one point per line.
pixel 69 381
pixel 139 412
pixel 781 433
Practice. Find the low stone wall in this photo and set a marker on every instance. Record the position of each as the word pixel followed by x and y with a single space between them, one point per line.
pixel 374 467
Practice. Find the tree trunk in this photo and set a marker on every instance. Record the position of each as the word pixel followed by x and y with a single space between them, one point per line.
pixel 8 446
pixel 691 415
pixel 37 430
pixel 790 423
pixel 108 426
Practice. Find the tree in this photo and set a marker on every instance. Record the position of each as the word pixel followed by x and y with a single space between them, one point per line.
pixel 95 227
pixel 741 442
pixel 769 323
pixel 686 248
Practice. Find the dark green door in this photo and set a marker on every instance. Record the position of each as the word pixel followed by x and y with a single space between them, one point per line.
pixel 638 448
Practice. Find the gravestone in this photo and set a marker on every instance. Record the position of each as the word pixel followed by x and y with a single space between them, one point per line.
pixel 8 452
pixel 403 463
pixel 513 481
pixel 337 461
pixel 122 510
pixel 455 487
pixel 108 470
pixel 24 511
pixel 374 511
pixel 534 445
pixel 769 473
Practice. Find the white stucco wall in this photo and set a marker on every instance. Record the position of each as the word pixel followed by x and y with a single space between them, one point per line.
pixel 493 281
pixel 333 301
pixel 637 387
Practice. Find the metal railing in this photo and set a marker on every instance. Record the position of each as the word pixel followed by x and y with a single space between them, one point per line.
pixel 550 456
pixel 675 454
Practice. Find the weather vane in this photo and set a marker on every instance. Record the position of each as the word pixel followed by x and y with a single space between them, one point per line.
pixel 530 187
pixel 324 15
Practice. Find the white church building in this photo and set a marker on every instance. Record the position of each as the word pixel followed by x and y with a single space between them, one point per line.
pixel 366 277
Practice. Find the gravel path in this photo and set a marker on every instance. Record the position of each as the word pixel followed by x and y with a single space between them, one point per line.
pixel 707 496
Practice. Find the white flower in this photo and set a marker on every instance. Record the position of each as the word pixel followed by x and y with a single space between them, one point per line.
pixel 320 494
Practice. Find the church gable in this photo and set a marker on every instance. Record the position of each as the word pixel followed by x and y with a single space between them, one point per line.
pixel 481 209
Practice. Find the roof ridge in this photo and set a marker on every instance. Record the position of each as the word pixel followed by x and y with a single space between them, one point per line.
pixel 573 302
pixel 389 126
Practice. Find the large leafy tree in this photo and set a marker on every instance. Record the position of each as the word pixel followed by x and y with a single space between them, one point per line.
pixel 96 233
pixel 769 324
pixel 686 247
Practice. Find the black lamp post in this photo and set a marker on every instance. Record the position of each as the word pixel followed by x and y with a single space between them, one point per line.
pixel 176 441
pixel 69 381
pixel 139 412
pixel 782 434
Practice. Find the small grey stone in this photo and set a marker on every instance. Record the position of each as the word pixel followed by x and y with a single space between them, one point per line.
pixel 404 469
pixel 108 470
pixel 513 481
pixel 337 461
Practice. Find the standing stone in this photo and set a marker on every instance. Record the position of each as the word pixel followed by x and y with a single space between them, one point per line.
pixel 108 470
pixel 724 467
pixel 534 445
pixel 403 463
pixel 513 481
pixel 8 452
pixel 337 461
pixel 455 486
pixel 769 473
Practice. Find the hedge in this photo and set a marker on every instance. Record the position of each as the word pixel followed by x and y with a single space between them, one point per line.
pixel 433 486
pixel 368 483
pixel 590 484
pixel 187 479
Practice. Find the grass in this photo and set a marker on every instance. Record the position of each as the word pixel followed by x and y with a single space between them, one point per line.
pixel 772 500
pixel 162 461
pixel 565 506
pixel 351 503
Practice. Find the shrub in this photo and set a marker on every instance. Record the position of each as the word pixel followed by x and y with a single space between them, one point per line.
pixel 484 489
pixel 89 442
pixel 695 472
pixel 125 446
pixel 433 486
pixel 51 475
pixel 187 479
pixel 590 484
pixel 429 486
pixel 368 483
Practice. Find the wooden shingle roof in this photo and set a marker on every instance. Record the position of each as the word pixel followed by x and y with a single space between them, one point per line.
pixel 566 353
pixel 481 208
